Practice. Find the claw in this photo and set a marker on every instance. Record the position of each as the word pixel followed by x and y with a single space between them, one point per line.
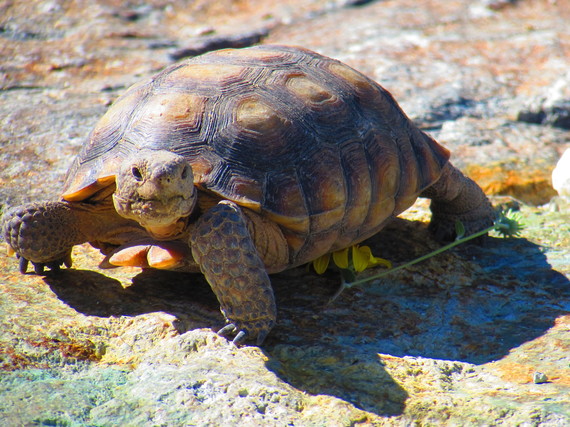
pixel 23 264
pixel 39 268
pixel 240 338
pixel 54 266
pixel 230 328
pixel 261 337
pixel 68 261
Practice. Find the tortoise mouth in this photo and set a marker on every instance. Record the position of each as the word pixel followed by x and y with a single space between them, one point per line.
pixel 167 231
pixel 161 218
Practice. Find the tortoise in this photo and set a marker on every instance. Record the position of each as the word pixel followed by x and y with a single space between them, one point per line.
pixel 240 163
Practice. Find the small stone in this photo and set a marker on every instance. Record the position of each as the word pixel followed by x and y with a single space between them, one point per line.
pixel 561 175
pixel 539 378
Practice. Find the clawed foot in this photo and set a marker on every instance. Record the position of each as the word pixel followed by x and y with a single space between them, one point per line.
pixel 248 331
pixel 223 246
pixel 443 227
pixel 39 267
pixel 40 233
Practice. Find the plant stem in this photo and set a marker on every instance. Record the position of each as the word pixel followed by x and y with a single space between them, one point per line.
pixel 347 285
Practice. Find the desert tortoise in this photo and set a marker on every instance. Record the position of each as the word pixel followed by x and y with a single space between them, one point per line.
pixel 241 163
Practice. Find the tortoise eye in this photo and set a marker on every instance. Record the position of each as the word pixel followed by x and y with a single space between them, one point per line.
pixel 136 173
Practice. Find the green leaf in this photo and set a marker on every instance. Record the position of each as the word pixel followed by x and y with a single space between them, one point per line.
pixel 459 230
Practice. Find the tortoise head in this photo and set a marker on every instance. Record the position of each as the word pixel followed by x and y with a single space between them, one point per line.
pixel 156 189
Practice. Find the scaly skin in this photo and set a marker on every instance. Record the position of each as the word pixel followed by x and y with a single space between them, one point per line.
pixel 43 233
pixel 456 197
pixel 223 247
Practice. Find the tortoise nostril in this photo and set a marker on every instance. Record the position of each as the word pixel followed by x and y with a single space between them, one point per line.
pixel 136 173
pixel 184 174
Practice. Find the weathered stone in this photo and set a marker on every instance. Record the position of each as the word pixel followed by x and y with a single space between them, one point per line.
pixel 550 106
pixel 209 43
pixel 561 175
pixel 441 340
pixel 502 156
pixel 455 340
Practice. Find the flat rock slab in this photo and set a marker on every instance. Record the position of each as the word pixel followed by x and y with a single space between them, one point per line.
pixel 457 338
pixel 479 335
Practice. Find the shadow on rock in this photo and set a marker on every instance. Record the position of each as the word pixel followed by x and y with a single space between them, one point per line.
pixel 515 297
pixel 186 296
pixel 473 304
pixel 351 376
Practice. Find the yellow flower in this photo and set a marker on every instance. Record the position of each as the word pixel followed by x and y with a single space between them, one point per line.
pixel 362 259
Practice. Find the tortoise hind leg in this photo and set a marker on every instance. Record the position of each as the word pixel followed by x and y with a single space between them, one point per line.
pixel 43 233
pixel 456 197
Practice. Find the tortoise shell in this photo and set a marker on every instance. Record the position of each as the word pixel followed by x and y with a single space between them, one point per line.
pixel 303 139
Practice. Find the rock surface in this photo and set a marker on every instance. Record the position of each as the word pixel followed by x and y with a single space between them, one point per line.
pixel 459 339
pixel 561 175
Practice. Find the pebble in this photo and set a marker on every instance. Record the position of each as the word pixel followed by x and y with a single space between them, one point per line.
pixel 539 378
pixel 561 175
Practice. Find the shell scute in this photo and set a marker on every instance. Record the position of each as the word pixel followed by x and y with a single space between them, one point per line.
pixel 355 80
pixel 309 90
pixel 194 76
pixel 255 115
pixel 323 181
pixel 266 55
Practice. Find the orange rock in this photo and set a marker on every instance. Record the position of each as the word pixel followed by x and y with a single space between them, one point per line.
pixel 532 185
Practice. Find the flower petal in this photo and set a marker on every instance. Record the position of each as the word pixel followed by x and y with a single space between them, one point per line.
pixel 360 257
pixel 340 258
pixel 374 261
pixel 321 263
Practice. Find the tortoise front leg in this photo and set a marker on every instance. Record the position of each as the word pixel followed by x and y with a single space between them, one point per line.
pixel 42 233
pixel 224 249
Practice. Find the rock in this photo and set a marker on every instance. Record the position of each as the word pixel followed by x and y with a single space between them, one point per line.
pixel 465 330
pixel 454 340
pixel 539 378
pixel 551 106
pixel 209 43
pixel 502 157
pixel 561 175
